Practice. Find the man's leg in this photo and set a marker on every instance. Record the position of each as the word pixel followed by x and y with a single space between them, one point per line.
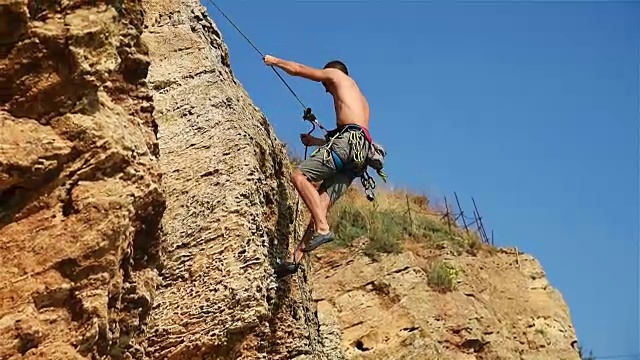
pixel 312 199
pixel 314 169
pixel 298 253
pixel 318 168
pixel 331 189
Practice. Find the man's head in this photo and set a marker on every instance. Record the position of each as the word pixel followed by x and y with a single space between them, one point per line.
pixel 335 64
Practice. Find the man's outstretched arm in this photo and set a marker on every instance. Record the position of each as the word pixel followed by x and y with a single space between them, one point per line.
pixel 296 69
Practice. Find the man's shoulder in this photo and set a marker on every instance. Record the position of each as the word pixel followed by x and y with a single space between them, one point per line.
pixel 334 71
pixel 337 75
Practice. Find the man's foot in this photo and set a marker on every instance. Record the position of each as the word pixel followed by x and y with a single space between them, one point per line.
pixel 319 239
pixel 286 268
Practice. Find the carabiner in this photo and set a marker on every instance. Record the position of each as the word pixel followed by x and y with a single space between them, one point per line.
pixel 310 117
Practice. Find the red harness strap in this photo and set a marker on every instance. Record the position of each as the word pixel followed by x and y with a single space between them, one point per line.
pixel 366 133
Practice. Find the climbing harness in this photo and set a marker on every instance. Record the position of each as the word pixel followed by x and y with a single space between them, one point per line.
pixel 358 140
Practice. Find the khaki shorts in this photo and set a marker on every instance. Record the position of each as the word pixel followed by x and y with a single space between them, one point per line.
pixel 321 167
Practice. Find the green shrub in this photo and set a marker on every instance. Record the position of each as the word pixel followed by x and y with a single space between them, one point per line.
pixel 385 233
pixel 377 246
pixel 443 277
pixel 430 229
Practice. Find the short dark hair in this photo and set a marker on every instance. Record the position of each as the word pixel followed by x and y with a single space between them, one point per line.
pixel 337 64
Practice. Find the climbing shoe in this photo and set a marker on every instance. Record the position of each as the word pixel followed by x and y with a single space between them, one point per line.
pixel 319 239
pixel 286 268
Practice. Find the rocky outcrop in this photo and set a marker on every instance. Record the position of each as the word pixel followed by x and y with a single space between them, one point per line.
pixel 230 207
pixel 80 202
pixel 502 306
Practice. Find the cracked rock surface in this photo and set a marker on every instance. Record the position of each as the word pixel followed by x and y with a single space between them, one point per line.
pixel 230 207
pixel 502 307
pixel 80 202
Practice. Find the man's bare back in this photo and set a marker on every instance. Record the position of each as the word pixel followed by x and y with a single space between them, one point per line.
pixel 350 105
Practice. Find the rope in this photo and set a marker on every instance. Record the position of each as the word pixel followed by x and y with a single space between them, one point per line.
pixel 259 52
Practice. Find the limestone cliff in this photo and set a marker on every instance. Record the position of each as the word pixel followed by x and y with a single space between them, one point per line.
pixel 230 206
pixel 80 203
pixel 81 199
pixel 502 306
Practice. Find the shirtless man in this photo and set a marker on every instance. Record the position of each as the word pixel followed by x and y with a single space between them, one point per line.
pixel 352 115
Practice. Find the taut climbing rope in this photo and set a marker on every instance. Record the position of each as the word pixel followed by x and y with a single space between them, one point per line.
pixel 259 52
pixel 367 181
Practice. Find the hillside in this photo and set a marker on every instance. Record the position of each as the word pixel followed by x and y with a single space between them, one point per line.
pixel 145 201
pixel 406 286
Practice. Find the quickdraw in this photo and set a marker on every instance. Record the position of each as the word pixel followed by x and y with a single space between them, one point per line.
pixel 369 185
pixel 310 117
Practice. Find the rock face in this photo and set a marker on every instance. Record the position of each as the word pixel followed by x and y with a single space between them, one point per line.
pixel 502 308
pixel 80 203
pixel 230 207
pixel 84 272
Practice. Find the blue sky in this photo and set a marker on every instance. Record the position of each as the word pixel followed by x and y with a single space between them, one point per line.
pixel 532 108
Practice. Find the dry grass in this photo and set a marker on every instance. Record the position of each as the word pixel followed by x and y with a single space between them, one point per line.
pixel 394 217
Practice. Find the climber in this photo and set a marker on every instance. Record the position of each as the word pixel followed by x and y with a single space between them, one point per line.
pixel 339 158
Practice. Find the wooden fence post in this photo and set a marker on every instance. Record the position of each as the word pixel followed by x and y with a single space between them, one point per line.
pixel 409 213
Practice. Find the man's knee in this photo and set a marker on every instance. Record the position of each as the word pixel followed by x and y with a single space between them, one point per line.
pixel 294 175
pixel 297 176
